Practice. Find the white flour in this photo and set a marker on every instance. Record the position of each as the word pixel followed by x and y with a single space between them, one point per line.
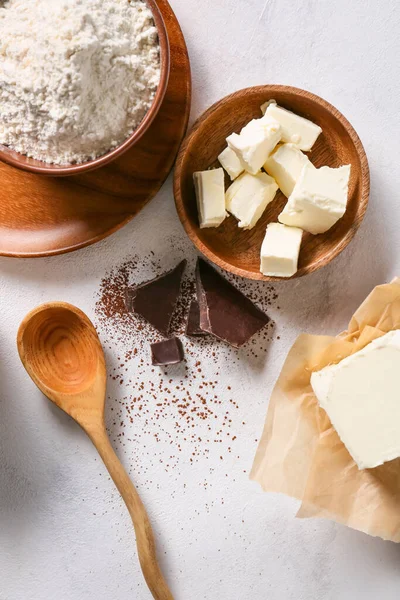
pixel 76 76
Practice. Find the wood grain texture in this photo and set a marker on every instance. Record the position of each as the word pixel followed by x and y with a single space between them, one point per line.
pixel 59 347
pixel 43 216
pixel 238 251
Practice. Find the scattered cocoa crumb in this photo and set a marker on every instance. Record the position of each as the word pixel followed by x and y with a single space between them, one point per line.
pixel 184 410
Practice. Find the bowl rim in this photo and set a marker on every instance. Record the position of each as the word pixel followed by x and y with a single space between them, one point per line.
pixel 20 161
pixel 269 90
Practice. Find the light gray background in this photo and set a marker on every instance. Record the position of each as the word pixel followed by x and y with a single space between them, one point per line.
pixel 64 532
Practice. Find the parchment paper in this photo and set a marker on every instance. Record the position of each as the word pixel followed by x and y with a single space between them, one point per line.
pixel 301 455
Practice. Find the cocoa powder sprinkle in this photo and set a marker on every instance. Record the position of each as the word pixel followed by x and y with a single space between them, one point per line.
pixel 179 406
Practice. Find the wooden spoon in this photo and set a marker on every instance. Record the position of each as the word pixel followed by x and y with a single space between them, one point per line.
pixel 59 347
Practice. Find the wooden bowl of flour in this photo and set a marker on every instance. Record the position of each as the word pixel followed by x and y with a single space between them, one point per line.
pixel 39 167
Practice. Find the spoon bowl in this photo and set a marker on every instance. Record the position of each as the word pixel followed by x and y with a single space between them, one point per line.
pixel 60 349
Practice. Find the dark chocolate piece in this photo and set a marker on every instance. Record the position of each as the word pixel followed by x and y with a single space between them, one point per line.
pixel 168 352
pixel 193 323
pixel 224 311
pixel 156 300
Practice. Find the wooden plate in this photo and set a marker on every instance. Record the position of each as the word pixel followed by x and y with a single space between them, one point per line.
pixel 236 250
pixel 42 216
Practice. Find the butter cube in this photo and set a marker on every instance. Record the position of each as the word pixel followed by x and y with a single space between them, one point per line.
pixel 295 129
pixel 319 199
pixel 231 163
pixel 255 143
pixel 280 250
pixel 248 197
pixel 285 165
pixel 361 398
pixel 210 196
pixel 264 106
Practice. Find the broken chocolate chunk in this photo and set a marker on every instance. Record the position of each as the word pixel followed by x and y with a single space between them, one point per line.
pixel 224 311
pixel 168 352
pixel 156 300
pixel 193 323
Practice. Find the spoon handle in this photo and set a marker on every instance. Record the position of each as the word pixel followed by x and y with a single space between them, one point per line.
pixel 144 534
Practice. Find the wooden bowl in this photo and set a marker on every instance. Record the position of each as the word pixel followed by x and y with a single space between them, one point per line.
pixel 42 168
pixel 236 250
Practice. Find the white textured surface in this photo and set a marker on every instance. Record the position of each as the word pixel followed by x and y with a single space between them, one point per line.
pixel 55 540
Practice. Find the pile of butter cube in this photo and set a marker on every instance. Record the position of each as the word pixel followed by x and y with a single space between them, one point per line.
pixel 268 155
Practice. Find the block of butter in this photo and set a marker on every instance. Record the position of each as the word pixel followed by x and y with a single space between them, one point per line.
pixel 255 143
pixel 361 397
pixel 285 165
pixel 210 196
pixel 231 163
pixel 280 250
pixel 248 197
pixel 318 200
pixel 295 129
